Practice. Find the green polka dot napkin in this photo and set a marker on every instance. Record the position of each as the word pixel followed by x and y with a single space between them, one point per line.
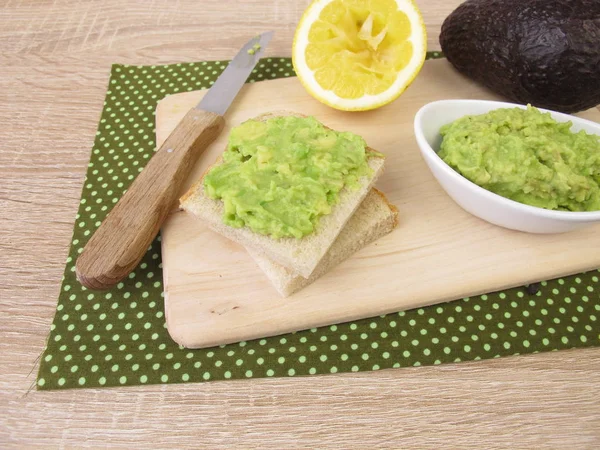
pixel 118 337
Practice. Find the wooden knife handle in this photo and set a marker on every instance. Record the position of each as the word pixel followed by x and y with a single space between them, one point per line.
pixel 122 239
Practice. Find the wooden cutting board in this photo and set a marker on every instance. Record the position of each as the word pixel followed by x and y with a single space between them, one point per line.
pixel 216 294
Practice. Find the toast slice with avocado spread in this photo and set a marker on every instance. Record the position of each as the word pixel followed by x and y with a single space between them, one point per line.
pixel 285 186
pixel 374 218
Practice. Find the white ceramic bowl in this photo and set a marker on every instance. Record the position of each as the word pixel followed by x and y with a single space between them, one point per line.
pixel 481 202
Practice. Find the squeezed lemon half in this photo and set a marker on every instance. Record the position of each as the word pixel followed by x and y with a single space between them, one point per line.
pixel 359 54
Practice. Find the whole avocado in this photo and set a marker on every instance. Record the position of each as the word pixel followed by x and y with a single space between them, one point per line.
pixel 543 52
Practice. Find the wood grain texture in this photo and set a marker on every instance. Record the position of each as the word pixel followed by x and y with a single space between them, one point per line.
pixel 120 242
pixel 238 302
pixel 55 57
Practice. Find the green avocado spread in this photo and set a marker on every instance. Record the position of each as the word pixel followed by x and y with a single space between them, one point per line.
pixel 526 156
pixel 280 176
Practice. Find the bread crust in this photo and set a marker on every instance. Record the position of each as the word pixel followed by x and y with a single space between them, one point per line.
pixel 373 219
pixel 390 205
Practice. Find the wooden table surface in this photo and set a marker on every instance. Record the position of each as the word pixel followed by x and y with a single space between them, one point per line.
pixel 55 57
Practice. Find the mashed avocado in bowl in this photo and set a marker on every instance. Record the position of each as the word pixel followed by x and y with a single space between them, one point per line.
pixel 512 165
pixel 527 156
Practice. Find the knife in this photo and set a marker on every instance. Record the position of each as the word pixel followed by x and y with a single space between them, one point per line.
pixel 122 239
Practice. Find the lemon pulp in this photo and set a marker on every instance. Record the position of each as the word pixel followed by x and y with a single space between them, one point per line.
pixel 357 48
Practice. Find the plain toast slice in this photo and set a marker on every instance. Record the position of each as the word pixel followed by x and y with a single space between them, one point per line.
pixel 299 255
pixel 374 218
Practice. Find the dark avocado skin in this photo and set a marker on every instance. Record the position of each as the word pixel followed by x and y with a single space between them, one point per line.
pixel 543 52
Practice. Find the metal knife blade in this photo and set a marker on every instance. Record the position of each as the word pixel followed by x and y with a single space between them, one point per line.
pixel 223 91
